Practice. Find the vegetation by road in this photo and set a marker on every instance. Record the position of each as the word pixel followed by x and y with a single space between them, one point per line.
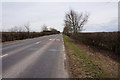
pixel 80 65
pixel 17 34
pixel 74 24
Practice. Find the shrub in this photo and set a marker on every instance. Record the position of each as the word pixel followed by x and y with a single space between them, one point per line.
pixel 11 36
pixel 102 40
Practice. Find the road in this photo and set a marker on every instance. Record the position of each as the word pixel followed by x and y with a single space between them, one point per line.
pixel 41 57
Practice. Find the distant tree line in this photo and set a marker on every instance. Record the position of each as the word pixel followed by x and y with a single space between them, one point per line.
pixel 74 23
pixel 19 33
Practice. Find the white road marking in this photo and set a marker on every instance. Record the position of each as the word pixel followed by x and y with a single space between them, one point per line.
pixel 4 55
pixel 16 70
pixel 50 39
pixel 64 49
pixel 37 42
pixel 64 53
pixel 57 39
pixel 64 56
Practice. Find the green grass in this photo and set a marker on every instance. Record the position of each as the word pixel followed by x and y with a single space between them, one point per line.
pixel 80 54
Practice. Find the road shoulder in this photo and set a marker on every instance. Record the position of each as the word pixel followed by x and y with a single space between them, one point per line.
pixel 80 65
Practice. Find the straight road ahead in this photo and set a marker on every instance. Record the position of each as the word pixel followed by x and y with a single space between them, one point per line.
pixel 35 58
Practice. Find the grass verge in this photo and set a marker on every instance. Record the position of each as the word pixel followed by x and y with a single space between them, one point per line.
pixel 80 65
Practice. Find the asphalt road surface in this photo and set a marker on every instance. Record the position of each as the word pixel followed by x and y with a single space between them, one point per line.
pixel 41 57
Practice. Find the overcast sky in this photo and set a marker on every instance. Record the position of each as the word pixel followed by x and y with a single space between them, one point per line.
pixel 103 15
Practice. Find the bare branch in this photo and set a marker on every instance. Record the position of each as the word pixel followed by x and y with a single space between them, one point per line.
pixel 74 21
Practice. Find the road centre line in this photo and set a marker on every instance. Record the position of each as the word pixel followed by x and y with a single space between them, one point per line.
pixel 4 55
pixel 38 42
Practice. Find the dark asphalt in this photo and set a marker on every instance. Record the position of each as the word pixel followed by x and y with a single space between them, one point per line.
pixel 34 58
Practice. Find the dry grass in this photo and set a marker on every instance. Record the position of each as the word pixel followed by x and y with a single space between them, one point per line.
pixel 106 60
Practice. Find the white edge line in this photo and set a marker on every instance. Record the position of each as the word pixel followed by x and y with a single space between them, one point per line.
pixel 4 55
pixel 64 48
pixel 65 58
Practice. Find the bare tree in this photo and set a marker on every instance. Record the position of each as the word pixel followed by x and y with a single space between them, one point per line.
pixel 20 29
pixel 74 21
pixel 27 27
pixel 44 28
pixel 17 29
pixel 66 30
pixel 13 29
pixel 52 29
